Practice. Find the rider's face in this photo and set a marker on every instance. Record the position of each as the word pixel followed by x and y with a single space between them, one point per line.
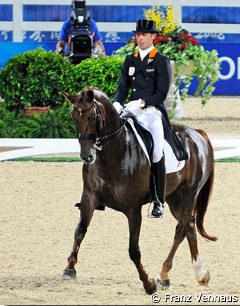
pixel 145 40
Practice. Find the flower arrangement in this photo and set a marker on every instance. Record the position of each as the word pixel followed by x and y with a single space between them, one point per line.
pixel 184 51
pixel 163 17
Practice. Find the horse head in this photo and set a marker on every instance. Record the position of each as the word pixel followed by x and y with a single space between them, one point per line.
pixel 89 114
pixel 89 119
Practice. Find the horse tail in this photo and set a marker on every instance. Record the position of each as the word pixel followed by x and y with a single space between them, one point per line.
pixel 204 195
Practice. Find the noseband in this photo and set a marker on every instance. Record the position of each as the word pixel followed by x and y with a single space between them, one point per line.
pixel 97 136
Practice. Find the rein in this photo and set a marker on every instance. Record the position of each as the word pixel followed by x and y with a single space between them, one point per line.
pixel 97 135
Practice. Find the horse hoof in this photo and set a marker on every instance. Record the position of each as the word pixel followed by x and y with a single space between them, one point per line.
pixel 164 284
pixel 153 288
pixel 205 280
pixel 69 274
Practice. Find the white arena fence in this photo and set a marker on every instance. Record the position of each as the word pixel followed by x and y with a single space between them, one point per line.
pixel 18 26
pixel 12 148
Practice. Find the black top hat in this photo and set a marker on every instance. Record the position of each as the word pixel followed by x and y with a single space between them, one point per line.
pixel 146 26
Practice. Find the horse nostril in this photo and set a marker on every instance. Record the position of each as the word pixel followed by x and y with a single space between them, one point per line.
pixel 90 159
pixel 87 158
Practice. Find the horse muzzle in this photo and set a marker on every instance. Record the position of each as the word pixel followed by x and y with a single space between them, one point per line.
pixel 88 157
pixel 89 160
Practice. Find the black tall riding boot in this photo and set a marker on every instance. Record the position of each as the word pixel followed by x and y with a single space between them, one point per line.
pixel 159 179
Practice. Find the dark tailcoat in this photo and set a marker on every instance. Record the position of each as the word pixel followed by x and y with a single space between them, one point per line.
pixel 148 79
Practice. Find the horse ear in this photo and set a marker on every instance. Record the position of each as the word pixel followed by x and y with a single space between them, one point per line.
pixel 69 97
pixel 89 95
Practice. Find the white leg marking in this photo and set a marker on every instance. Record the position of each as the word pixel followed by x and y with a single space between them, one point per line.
pixel 198 268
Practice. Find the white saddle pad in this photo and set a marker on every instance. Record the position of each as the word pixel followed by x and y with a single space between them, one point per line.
pixel 171 162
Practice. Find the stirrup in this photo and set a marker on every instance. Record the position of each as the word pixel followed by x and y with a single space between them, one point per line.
pixel 158 209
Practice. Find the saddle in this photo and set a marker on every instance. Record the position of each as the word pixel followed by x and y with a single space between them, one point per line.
pixel 146 137
pixel 170 136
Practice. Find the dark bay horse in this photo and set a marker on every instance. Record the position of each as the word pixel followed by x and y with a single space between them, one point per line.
pixel 116 173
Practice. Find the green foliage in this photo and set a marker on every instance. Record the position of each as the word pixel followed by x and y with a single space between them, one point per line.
pixel 100 72
pixel 39 78
pixel 56 123
pixel 36 78
pixel 128 49
pixel 205 67
pixel 10 122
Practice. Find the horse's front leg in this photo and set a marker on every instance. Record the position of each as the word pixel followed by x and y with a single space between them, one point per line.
pixel 134 220
pixel 86 213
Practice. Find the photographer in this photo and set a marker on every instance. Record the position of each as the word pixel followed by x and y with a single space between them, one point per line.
pixel 79 37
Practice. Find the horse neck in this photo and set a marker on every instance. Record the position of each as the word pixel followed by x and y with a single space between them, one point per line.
pixel 112 119
pixel 113 134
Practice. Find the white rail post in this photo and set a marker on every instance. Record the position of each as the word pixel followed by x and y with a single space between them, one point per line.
pixel 177 4
pixel 173 97
pixel 17 20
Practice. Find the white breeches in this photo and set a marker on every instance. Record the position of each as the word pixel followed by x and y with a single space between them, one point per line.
pixel 151 119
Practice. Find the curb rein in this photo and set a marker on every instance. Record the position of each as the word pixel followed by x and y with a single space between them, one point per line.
pixel 97 135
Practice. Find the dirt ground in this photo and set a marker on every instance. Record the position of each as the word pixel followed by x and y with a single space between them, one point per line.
pixel 220 117
pixel 38 219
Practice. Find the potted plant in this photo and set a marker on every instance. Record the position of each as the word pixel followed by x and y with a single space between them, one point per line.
pixel 188 58
pixel 35 79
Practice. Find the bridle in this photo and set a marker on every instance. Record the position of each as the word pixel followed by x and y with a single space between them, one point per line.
pixel 97 137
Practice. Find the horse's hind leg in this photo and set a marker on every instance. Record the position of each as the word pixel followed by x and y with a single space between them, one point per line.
pixel 134 221
pixel 180 233
pixel 85 218
pixel 184 229
pixel 202 275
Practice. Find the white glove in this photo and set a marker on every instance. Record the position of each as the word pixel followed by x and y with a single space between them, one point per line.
pixel 134 105
pixel 118 107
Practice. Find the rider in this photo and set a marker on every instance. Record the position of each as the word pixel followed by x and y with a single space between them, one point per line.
pixel 147 73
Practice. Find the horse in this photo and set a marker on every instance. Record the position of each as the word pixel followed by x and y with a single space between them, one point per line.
pixel 116 173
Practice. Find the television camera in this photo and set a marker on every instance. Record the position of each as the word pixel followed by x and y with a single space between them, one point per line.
pixel 81 40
